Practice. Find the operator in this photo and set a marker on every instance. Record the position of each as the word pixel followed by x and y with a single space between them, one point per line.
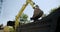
pixel 37 13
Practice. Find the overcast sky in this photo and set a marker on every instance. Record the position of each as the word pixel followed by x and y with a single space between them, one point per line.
pixel 10 8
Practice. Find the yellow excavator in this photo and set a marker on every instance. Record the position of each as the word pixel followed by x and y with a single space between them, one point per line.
pixel 9 28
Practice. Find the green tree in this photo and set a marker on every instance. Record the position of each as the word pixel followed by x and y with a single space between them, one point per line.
pixel 23 18
pixel 53 10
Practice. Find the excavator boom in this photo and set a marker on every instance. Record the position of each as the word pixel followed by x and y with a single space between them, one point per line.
pixel 21 11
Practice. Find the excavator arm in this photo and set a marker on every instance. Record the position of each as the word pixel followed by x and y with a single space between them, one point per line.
pixel 19 14
pixel 21 11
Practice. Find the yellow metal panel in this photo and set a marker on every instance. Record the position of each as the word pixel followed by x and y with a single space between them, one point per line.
pixel 8 29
